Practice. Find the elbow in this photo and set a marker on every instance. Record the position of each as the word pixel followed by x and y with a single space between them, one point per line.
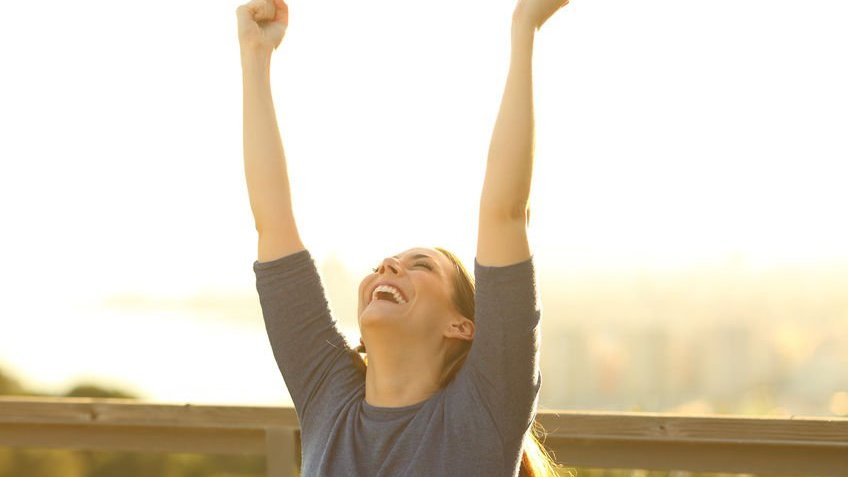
pixel 516 211
pixel 519 212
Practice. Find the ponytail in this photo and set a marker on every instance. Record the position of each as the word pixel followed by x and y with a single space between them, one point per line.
pixel 535 459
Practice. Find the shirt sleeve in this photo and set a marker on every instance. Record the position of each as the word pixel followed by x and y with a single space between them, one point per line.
pixel 503 363
pixel 312 355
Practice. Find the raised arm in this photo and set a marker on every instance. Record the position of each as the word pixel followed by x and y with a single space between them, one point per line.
pixel 504 202
pixel 262 25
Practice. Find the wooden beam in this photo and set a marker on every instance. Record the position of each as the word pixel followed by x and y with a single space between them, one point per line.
pixel 591 425
pixel 107 411
pixel 701 457
pixel 750 444
pixel 744 444
pixel 206 440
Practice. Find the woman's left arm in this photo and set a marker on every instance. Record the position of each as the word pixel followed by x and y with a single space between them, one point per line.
pixel 504 202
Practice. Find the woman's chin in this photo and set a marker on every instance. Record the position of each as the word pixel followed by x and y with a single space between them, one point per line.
pixel 380 312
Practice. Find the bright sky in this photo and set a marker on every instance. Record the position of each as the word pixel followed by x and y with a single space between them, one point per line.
pixel 668 133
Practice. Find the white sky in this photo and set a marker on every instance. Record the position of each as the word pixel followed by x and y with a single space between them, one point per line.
pixel 668 134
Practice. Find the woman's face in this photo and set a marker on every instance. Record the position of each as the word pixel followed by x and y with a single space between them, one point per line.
pixel 411 293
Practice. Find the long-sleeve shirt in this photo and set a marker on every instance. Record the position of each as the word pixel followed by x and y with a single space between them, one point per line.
pixel 472 427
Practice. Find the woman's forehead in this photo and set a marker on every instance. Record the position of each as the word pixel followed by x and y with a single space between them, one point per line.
pixel 424 252
pixel 420 252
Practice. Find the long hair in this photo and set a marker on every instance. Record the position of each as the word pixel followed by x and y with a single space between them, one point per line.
pixel 535 459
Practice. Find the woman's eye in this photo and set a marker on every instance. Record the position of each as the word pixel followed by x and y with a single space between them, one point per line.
pixel 428 267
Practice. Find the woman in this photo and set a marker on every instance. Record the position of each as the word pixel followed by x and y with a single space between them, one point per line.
pixel 429 402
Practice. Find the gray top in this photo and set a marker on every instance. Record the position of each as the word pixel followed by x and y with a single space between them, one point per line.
pixel 472 427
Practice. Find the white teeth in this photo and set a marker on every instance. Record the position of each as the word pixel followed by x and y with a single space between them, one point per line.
pixel 388 289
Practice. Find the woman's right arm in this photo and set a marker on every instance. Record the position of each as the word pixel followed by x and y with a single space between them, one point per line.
pixel 312 355
pixel 261 29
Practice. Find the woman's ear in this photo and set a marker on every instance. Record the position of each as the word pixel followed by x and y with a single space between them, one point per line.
pixel 462 328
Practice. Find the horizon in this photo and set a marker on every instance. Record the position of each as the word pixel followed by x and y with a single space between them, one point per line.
pixel 672 140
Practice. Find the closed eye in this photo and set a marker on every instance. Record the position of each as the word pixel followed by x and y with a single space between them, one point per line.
pixel 420 264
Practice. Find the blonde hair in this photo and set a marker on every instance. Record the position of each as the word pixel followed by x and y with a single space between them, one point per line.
pixel 535 459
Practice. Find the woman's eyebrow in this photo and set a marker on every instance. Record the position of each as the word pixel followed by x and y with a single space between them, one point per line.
pixel 416 256
pixel 421 255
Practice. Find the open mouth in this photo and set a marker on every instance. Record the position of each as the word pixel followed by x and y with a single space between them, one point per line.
pixel 388 293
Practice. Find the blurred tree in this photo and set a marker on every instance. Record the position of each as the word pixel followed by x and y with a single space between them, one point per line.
pixel 95 391
pixel 126 464
pixel 45 463
pixel 9 385
pixel 7 461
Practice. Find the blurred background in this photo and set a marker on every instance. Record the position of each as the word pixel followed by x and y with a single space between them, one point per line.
pixel 688 204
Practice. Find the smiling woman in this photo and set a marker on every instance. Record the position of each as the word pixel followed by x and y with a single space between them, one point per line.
pixel 424 281
pixel 447 354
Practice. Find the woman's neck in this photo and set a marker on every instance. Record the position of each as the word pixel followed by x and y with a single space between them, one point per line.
pixel 401 377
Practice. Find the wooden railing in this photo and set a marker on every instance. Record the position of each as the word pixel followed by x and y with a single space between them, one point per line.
pixel 797 445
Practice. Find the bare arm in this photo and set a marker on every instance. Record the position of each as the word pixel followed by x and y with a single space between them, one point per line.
pixel 261 28
pixel 504 202
pixel 265 166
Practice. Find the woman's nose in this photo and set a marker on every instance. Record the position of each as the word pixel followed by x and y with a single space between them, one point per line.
pixel 389 264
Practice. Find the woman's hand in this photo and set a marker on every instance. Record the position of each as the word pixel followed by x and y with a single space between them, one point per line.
pixel 262 24
pixel 535 13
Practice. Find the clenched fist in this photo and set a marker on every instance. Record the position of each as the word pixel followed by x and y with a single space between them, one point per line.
pixel 262 24
pixel 536 12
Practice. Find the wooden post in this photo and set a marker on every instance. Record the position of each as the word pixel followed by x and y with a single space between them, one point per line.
pixel 281 456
